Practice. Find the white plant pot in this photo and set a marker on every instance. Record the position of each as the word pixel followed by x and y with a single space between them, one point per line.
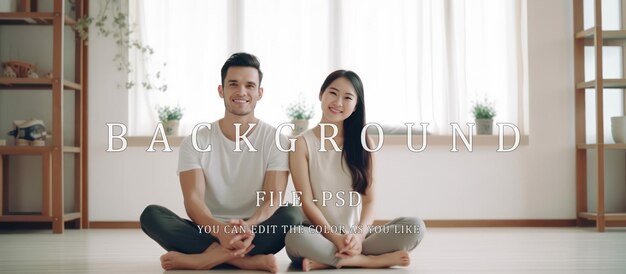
pixel 300 126
pixel 171 127
pixel 618 129
pixel 484 126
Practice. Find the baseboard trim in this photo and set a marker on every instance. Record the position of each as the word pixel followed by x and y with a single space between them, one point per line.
pixel 590 223
pixel 429 223
pixel 500 223
pixel 102 224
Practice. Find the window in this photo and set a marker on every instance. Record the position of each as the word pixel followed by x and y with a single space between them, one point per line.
pixel 420 61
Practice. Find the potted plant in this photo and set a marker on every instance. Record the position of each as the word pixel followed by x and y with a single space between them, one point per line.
pixel 112 20
pixel 170 117
pixel 300 113
pixel 483 115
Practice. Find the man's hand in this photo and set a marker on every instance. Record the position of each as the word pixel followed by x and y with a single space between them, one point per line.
pixel 353 245
pixel 236 237
pixel 237 253
pixel 244 237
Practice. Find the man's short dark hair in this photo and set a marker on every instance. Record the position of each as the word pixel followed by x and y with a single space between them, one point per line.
pixel 242 59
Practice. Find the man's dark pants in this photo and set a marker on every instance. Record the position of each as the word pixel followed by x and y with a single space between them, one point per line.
pixel 177 234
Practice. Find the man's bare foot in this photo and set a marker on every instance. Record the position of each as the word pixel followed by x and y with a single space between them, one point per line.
pixel 176 260
pixel 308 265
pixel 398 258
pixel 213 256
pixel 256 262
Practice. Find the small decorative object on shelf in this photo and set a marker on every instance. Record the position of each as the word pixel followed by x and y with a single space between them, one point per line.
pixel 300 113
pixel 618 129
pixel 28 132
pixel 20 69
pixel 483 115
pixel 170 117
pixel 8 72
pixel 32 74
pixel 3 142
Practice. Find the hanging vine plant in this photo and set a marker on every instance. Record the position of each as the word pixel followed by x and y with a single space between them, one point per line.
pixel 112 21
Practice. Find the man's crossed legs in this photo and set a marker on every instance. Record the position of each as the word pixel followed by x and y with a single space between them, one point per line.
pixel 191 247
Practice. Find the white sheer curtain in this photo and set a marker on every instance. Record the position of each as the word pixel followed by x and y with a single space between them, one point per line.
pixel 420 61
pixel 190 37
pixel 427 61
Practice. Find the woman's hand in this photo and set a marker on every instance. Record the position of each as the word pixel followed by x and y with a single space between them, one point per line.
pixel 352 245
pixel 339 240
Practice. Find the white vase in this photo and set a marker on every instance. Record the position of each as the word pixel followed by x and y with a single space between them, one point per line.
pixel 300 126
pixel 171 127
pixel 484 126
pixel 618 129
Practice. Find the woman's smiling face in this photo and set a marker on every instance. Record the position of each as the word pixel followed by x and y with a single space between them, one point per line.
pixel 338 101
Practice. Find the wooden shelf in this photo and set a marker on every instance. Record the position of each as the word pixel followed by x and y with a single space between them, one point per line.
pixel 53 168
pixel 606 146
pixel 37 217
pixel 607 216
pixel 606 35
pixel 31 18
pixel 69 149
pixel 596 39
pixel 30 83
pixel 71 216
pixel 32 150
pixel 608 83
pixel 24 150
pixel 25 218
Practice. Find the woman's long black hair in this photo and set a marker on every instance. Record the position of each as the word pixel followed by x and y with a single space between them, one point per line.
pixel 358 159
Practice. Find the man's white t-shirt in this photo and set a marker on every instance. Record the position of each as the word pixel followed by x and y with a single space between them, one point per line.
pixel 233 177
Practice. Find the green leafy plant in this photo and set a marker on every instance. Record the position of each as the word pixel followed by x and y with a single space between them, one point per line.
pixel 113 21
pixel 168 113
pixel 299 110
pixel 483 110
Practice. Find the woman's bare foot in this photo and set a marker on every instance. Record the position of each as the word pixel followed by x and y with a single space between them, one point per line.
pixel 398 258
pixel 256 262
pixel 308 265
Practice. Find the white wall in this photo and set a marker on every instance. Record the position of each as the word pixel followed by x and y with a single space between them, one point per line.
pixel 536 181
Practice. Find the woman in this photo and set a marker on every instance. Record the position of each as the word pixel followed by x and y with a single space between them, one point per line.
pixel 337 235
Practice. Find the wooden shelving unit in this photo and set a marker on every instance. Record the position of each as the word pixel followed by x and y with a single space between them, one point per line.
pixel 608 83
pixel 39 83
pixel 52 155
pixel 31 18
pixel 596 37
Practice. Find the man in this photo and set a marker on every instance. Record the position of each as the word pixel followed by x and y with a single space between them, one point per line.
pixel 220 186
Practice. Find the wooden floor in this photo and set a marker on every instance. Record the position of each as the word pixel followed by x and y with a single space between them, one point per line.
pixel 444 250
